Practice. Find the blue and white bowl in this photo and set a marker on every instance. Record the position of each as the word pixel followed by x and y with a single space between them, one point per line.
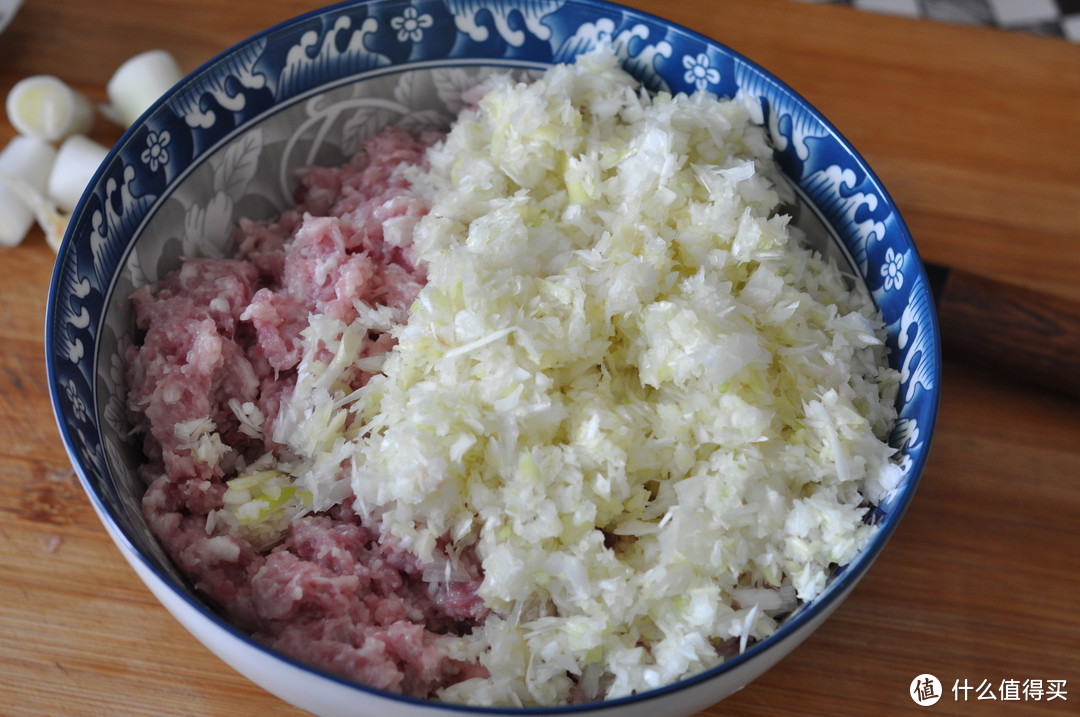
pixel 222 145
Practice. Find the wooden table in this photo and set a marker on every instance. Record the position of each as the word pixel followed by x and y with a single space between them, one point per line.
pixel 977 135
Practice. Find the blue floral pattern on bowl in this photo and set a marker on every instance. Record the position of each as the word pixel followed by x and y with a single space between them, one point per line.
pixel 203 157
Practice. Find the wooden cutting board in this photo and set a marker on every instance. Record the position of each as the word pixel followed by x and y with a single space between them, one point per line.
pixel 975 132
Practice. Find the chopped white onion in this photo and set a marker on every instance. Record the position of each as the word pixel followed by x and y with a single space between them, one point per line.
pixel 767 599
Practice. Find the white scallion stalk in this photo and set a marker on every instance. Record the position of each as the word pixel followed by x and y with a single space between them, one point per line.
pixel 138 83
pixel 76 161
pixel 8 8
pixel 25 164
pixel 45 107
pixel 51 220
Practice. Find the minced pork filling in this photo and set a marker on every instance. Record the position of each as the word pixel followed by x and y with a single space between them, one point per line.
pixel 551 408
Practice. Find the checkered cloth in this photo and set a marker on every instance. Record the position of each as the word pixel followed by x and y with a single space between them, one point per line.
pixel 1057 18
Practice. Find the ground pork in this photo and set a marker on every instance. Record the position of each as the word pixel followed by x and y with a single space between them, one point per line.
pixel 224 332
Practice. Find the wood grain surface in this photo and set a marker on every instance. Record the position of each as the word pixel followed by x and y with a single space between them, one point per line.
pixel 975 132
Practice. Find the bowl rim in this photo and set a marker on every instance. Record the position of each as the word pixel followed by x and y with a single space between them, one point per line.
pixel 839 585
